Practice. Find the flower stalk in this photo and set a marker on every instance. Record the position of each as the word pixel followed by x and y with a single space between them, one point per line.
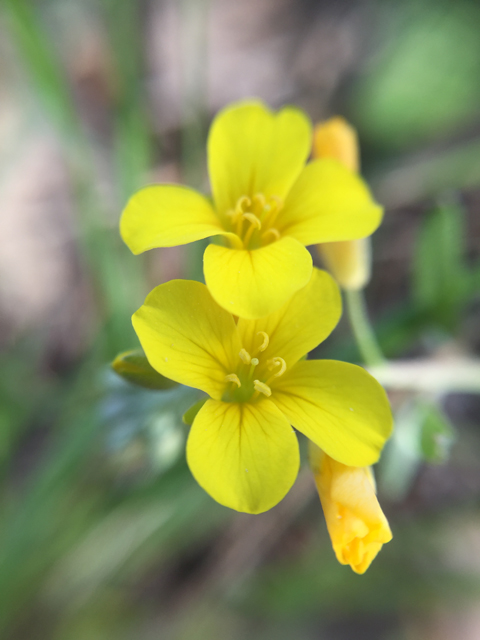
pixel 362 329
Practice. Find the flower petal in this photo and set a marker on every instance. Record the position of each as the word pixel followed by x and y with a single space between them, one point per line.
pixel 167 215
pixel 252 284
pixel 328 203
pixel 187 337
pixel 300 325
pixel 253 150
pixel 244 455
pixel 339 406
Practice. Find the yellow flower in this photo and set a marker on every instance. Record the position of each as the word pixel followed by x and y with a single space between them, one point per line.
pixel 355 520
pixel 349 261
pixel 267 206
pixel 241 448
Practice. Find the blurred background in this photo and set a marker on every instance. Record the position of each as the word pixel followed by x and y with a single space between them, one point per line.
pixel 103 531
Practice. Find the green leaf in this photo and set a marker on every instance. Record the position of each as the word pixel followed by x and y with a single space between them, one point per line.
pixel 190 414
pixel 422 434
pixel 437 435
pixel 422 82
pixel 39 55
pixel 134 367
pixel 440 277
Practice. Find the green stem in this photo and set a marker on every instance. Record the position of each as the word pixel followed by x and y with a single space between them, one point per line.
pixel 362 329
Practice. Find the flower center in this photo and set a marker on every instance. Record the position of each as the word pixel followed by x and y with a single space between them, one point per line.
pixel 252 376
pixel 253 220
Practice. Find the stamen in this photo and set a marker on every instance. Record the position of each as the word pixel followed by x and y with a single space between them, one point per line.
pixel 245 357
pixel 261 387
pixel 232 377
pixel 252 218
pixel 276 362
pixel 240 207
pixel 242 202
pixel 254 224
pixel 259 199
pixel 265 342
pixel 271 232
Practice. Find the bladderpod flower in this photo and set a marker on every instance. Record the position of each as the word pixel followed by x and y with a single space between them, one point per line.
pixel 350 260
pixel 356 523
pixel 266 207
pixel 241 448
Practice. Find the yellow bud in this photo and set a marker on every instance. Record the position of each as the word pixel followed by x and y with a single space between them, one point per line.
pixel 335 138
pixel 349 261
pixel 355 521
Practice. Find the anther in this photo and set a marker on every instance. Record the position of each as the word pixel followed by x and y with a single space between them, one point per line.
pixel 240 207
pixel 271 232
pixel 254 224
pixel 276 362
pixel 232 377
pixel 265 342
pixel 262 388
pixel 252 218
pixel 245 357
pixel 242 202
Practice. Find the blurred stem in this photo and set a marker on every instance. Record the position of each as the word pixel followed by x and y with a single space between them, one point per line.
pixel 194 20
pixel 362 329
pixel 194 41
pixel 104 253
pixel 434 375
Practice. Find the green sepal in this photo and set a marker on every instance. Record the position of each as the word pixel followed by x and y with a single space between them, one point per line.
pixel 134 367
pixel 190 414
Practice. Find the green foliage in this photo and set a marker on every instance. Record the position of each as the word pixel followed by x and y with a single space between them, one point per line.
pixel 440 282
pixel 422 433
pixel 42 63
pixel 425 80
pixel 437 435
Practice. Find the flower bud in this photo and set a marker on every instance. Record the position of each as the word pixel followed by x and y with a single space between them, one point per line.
pixel 355 521
pixel 134 367
pixel 335 138
pixel 348 261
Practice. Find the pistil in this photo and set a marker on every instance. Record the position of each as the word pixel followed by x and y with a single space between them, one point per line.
pixel 252 367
